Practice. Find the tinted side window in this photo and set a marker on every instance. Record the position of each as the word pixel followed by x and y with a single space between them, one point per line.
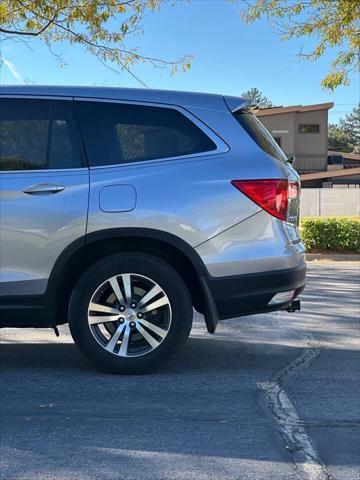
pixel 37 135
pixel 260 135
pixel 117 133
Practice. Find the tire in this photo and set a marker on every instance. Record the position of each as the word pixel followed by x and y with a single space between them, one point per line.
pixel 103 293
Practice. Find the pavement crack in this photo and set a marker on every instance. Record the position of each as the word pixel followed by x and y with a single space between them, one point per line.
pixel 306 459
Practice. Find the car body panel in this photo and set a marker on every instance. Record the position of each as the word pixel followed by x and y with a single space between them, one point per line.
pixel 35 229
pixel 260 243
pixel 176 198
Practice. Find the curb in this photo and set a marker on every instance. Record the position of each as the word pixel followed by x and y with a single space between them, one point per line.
pixel 334 257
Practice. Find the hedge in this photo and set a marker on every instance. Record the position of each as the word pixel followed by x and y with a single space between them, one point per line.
pixel 323 234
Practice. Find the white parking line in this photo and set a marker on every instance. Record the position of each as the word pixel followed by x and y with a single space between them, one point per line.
pixel 304 455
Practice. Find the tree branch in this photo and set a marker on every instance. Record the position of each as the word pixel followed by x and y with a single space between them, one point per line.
pixel 31 34
pixel 86 23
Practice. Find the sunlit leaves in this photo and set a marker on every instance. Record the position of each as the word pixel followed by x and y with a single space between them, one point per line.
pixel 333 23
pixel 100 26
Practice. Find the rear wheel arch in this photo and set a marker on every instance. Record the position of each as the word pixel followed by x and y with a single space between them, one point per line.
pixel 85 251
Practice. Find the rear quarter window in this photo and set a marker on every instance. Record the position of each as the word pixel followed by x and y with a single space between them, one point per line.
pixel 117 133
pixel 260 134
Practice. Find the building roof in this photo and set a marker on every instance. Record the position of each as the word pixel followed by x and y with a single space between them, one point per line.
pixel 330 174
pixel 294 108
pixel 348 156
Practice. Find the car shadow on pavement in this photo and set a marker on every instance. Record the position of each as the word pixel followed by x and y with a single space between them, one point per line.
pixel 208 354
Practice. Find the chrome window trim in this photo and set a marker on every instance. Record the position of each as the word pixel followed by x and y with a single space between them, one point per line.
pixel 35 97
pixel 46 171
pixel 221 146
pixel 168 161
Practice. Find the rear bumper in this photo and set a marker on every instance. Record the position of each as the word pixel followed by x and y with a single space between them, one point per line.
pixel 248 294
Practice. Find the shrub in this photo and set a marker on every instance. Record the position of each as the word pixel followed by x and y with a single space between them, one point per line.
pixel 323 234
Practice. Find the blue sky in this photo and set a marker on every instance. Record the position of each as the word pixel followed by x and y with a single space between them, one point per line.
pixel 229 57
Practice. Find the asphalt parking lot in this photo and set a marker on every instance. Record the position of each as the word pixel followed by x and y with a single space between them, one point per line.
pixel 267 397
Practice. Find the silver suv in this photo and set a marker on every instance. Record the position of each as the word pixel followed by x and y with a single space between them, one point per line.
pixel 122 210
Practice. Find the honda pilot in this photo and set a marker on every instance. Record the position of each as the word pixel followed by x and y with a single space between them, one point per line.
pixel 123 210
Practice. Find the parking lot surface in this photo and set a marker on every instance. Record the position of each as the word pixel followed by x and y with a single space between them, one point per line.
pixel 271 396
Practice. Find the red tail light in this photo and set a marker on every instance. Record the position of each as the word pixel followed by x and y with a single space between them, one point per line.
pixel 272 195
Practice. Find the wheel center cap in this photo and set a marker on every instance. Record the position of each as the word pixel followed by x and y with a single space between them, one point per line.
pixel 130 315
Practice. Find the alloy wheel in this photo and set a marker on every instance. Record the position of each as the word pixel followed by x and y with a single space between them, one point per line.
pixel 129 315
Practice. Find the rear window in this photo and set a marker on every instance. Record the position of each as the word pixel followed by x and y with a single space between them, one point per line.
pixel 260 134
pixel 117 133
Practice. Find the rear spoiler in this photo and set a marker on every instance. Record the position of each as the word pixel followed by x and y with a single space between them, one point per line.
pixel 237 104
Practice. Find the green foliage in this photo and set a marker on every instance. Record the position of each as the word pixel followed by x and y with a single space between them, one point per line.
pixel 351 127
pixel 340 235
pixel 102 27
pixel 333 23
pixel 345 136
pixel 338 139
pixel 257 98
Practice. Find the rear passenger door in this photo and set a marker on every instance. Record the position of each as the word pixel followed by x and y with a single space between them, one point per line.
pixel 44 188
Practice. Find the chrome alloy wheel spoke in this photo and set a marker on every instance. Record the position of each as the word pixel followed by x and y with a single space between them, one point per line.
pixel 153 306
pixel 113 314
pixel 159 331
pixel 125 342
pixel 114 339
pixel 151 294
pixel 116 289
pixel 149 338
pixel 97 307
pixel 126 278
pixel 102 319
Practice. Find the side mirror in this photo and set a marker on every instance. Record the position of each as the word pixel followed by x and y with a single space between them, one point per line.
pixel 291 160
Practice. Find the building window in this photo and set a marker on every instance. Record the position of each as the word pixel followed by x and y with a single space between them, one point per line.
pixel 309 128
pixel 335 160
pixel 278 141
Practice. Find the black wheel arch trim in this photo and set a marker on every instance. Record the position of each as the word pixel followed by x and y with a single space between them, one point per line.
pixel 126 232
pixel 154 234
pixel 186 249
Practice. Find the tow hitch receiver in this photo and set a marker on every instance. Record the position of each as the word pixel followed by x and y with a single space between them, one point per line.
pixel 294 305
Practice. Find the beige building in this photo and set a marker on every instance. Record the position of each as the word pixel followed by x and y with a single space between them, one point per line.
pixel 301 132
